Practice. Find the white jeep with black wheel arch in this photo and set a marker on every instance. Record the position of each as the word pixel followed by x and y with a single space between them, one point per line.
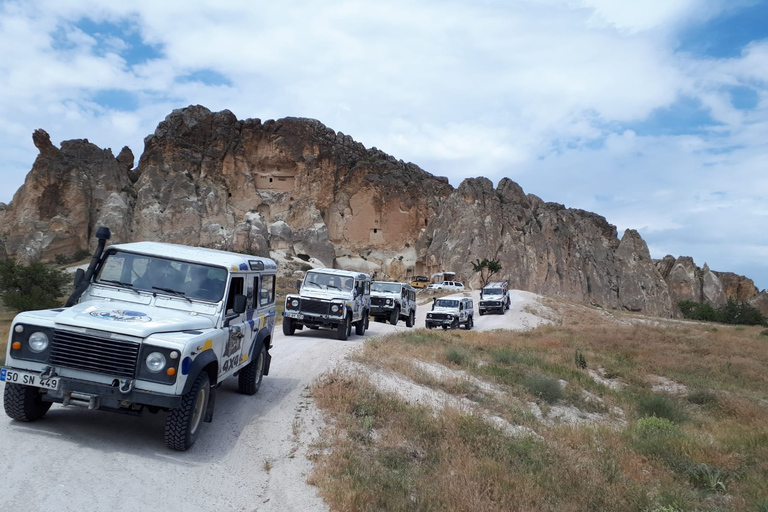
pixel 329 298
pixel 391 302
pixel 451 312
pixel 150 326
pixel 494 297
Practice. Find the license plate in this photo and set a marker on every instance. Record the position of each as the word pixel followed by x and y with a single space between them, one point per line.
pixel 28 379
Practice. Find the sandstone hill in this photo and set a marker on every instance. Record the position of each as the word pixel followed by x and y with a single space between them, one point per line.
pixel 298 190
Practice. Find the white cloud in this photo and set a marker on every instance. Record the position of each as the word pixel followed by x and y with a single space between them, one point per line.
pixel 540 91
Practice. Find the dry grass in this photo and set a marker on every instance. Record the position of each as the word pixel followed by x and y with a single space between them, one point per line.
pixel 384 453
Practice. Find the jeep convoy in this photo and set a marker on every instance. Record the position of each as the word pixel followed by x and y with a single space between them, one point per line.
pixel 451 312
pixel 494 297
pixel 329 298
pixel 393 301
pixel 150 326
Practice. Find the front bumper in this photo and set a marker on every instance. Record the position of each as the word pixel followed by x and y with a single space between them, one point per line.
pixel 95 395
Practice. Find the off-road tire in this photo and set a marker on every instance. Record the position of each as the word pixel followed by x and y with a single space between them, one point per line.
pixel 394 316
pixel 249 380
pixel 288 328
pixel 482 313
pixel 24 403
pixel 411 319
pixel 342 330
pixel 469 324
pixel 183 423
pixel 360 326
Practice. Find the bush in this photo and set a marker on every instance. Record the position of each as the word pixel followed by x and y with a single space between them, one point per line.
pixel 732 312
pixel 456 355
pixel 546 388
pixel 702 311
pixel 33 286
pixel 660 406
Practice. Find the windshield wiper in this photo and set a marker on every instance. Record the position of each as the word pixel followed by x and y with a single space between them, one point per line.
pixel 129 285
pixel 174 292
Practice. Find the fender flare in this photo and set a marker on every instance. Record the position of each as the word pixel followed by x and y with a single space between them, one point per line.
pixel 258 341
pixel 198 365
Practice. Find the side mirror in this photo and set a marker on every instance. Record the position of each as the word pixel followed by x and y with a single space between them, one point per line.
pixel 79 275
pixel 240 303
pixel 298 285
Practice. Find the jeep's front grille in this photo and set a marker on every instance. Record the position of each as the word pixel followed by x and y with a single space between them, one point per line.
pixel 94 353
pixel 378 301
pixel 440 316
pixel 315 307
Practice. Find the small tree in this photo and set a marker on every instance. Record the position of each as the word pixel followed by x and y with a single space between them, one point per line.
pixel 33 286
pixel 487 269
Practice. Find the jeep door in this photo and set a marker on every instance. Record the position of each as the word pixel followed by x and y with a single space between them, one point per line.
pixel 239 330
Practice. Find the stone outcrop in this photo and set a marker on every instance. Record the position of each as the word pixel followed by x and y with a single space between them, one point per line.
pixel 296 187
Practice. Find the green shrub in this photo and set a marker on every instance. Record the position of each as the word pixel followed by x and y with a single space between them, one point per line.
pixel 740 313
pixel 81 254
pixel 505 356
pixel 580 360
pixel 33 286
pixel 660 406
pixel 546 388
pixel 708 478
pixel 703 311
pixel 702 397
pixel 657 438
pixel 456 355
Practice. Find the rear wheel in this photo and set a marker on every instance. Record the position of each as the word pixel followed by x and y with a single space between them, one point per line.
pixel 288 328
pixel 411 319
pixel 183 423
pixel 249 380
pixel 24 403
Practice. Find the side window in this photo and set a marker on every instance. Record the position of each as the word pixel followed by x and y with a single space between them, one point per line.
pixel 267 291
pixel 236 286
pixel 252 292
pixel 367 287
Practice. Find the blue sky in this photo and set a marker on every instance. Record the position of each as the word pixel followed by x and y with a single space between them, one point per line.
pixel 651 113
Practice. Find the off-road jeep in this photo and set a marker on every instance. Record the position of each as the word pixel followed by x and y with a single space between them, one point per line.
pixel 494 297
pixel 151 326
pixel 331 298
pixel 451 312
pixel 393 301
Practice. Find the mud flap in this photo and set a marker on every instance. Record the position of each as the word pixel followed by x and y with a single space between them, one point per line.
pixel 208 418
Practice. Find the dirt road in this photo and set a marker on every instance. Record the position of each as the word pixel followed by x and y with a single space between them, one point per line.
pixel 252 457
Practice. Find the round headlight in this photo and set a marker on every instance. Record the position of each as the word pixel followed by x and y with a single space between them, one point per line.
pixel 38 341
pixel 295 303
pixel 155 362
pixel 389 302
pixel 335 308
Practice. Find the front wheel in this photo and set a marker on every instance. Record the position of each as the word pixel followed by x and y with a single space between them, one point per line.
pixel 183 423
pixel 361 324
pixel 343 329
pixel 394 316
pixel 288 328
pixel 249 380
pixel 24 403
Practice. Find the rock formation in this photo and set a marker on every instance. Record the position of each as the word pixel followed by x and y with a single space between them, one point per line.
pixel 296 187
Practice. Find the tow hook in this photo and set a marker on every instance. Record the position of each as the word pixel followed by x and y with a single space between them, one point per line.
pixel 126 386
pixel 48 372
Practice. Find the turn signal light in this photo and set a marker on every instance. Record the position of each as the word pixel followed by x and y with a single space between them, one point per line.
pixel 16 345
pixel 171 371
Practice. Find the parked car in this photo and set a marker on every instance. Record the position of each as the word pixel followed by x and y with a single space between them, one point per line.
pixel 447 285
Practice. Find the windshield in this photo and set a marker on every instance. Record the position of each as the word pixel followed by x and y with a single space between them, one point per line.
pixel 385 287
pixel 445 303
pixel 163 275
pixel 492 291
pixel 328 281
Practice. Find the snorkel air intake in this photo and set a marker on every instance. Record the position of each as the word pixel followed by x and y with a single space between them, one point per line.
pixel 83 278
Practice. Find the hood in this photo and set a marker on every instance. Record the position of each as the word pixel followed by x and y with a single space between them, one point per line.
pixel 130 318
pixel 317 293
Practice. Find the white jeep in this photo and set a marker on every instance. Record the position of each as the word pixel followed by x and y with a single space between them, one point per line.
pixel 393 301
pixel 150 326
pixel 451 312
pixel 494 296
pixel 331 298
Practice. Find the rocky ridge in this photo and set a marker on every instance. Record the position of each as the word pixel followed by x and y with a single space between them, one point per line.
pixel 297 189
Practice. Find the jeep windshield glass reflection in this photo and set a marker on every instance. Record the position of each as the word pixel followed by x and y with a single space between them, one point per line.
pixel 154 274
pixel 328 281
pixel 385 287
pixel 492 291
pixel 444 303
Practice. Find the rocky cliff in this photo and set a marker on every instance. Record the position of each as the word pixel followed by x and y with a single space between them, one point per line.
pixel 294 188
